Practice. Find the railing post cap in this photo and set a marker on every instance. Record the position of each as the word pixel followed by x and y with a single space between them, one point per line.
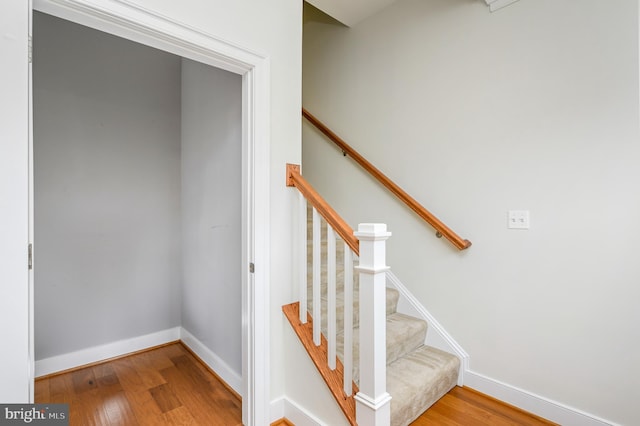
pixel 372 230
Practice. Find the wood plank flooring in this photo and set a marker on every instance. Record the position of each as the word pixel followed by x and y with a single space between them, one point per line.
pixel 169 386
pixel 466 407
pixel 163 386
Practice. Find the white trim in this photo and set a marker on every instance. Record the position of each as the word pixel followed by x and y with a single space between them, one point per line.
pixel 32 350
pixel 256 244
pixel 93 354
pixel 277 409
pixel 284 407
pixel 125 19
pixel 371 271
pixel 536 404
pixel 212 360
pixel 16 358
pixel 498 4
pixel 437 336
pixel 375 404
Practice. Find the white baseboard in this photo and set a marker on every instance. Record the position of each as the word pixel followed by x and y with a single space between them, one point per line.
pixel 284 407
pixel 100 353
pixel 276 409
pixel 214 362
pixel 538 405
pixel 123 347
pixel 437 336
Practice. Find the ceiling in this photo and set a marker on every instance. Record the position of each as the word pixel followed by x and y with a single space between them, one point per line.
pixel 350 12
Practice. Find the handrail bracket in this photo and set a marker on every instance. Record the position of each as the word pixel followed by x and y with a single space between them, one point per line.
pixel 291 169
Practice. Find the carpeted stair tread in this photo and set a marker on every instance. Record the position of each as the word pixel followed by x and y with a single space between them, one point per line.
pixel 404 334
pixel 391 302
pixel 417 380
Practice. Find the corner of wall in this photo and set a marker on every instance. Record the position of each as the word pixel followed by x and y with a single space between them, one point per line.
pixel 307 399
pixel 213 361
pixel 284 407
pixel 99 353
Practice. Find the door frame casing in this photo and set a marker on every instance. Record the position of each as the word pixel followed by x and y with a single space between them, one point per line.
pixel 123 19
pixel 16 366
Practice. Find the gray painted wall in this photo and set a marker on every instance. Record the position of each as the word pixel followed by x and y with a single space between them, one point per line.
pixel 211 206
pixel 109 143
pixel 107 188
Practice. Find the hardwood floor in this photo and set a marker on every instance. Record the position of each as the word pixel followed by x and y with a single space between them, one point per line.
pixel 466 407
pixel 163 386
pixel 169 386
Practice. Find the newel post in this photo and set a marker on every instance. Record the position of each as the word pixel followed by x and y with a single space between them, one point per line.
pixel 373 403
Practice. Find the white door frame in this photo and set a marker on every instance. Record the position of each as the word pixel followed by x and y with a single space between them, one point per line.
pixel 16 366
pixel 126 20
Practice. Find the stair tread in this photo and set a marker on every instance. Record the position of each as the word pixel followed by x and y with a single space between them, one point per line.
pixel 404 334
pixel 417 380
pixel 391 302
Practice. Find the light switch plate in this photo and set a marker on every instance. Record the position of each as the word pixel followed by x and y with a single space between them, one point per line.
pixel 518 219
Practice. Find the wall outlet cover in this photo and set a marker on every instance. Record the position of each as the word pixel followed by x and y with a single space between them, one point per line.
pixel 518 219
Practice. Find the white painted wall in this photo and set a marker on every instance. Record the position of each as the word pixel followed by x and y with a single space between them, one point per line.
pixel 107 188
pixel 533 107
pixel 306 388
pixel 211 209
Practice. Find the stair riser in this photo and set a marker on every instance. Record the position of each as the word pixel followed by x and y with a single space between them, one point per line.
pixel 391 301
pixel 417 381
pixel 404 335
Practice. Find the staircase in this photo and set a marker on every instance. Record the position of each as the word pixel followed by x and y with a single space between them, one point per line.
pixel 417 375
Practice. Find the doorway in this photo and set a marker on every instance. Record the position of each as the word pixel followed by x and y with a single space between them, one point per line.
pixel 137 159
pixel 199 48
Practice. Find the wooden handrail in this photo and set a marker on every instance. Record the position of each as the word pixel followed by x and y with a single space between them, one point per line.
pixel 441 228
pixel 342 228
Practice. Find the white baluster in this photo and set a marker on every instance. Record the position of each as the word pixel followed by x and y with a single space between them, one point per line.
pixel 302 250
pixel 373 407
pixel 331 297
pixel 317 310
pixel 348 320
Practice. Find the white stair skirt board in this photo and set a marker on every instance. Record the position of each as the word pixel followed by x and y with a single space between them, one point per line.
pixel 213 361
pixel 437 336
pixel 284 407
pixel 498 4
pixel 93 354
pixel 528 401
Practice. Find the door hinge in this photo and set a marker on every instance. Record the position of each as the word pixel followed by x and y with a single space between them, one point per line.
pixel 252 267
pixel 30 49
pixel 30 261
